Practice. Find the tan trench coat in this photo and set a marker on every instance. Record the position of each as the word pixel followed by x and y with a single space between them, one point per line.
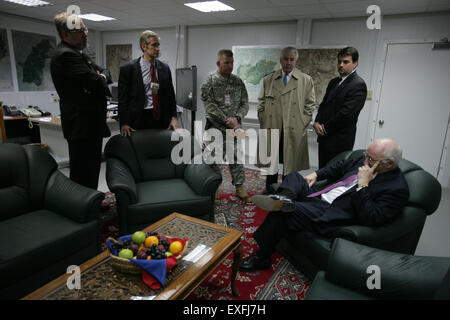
pixel 291 107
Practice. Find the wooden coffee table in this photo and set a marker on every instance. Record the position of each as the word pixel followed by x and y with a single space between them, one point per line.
pixel 99 280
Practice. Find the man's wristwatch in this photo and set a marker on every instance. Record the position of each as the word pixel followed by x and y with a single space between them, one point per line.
pixel 362 186
pixel 238 118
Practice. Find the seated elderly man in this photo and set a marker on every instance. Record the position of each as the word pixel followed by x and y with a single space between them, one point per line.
pixel 367 191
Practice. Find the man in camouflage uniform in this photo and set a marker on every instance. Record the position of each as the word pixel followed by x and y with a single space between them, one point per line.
pixel 226 103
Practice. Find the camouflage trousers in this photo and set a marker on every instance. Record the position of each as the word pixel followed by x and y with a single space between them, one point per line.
pixel 236 169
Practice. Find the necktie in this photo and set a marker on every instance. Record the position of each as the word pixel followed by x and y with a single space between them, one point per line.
pixel 337 184
pixel 155 96
pixel 285 80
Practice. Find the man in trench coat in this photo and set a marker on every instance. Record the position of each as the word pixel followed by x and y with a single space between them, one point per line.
pixel 286 102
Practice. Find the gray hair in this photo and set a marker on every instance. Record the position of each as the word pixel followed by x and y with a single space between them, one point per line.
pixel 392 150
pixel 61 20
pixel 289 50
pixel 145 36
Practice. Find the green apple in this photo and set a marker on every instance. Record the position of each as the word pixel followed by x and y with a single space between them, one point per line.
pixel 138 237
pixel 126 253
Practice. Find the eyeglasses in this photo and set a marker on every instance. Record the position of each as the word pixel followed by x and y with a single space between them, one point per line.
pixel 85 29
pixel 372 160
pixel 154 45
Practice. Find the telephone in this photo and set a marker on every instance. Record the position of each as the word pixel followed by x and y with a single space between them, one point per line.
pixel 43 112
pixel 31 112
pixel 11 111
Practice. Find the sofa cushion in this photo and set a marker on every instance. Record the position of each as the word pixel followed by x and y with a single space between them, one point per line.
pixel 37 240
pixel 156 198
pixel 14 181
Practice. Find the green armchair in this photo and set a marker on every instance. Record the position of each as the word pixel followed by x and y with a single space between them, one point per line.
pixel 47 221
pixel 148 185
pixel 400 235
pixel 396 276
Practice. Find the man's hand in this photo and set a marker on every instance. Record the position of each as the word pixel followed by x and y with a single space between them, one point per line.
pixel 367 174
pixel 232 123
pixel 126 130
pixel 311 179
pixel 173 125
pixel 320 130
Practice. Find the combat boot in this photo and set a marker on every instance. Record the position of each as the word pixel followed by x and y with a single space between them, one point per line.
pixel 241 193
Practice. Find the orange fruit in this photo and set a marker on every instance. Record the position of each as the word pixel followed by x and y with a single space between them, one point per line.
pixel 175 247
pixel 150 241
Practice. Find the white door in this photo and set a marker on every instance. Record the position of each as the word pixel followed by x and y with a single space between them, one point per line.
pixel 414 101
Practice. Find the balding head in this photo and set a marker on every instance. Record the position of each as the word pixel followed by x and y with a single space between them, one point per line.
pixel 387 152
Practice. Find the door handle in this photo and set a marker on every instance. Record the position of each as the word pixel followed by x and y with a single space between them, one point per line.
pixel 380 122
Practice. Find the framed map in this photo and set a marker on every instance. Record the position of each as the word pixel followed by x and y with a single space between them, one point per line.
pixel 6 80
pixel 252 63
pixel 33 52
pixel 321 65
pixel 116 56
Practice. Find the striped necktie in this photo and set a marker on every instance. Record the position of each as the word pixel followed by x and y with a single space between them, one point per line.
pixel 337 184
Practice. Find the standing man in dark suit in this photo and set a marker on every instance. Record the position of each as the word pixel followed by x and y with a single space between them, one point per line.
pixel 335 123
pixel 82 87
pixel 368 191
pixel 146 93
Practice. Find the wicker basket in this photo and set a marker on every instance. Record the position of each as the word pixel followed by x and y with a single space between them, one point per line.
pixel 126 266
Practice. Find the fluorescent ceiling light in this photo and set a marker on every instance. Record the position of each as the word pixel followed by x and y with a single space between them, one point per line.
pixel 95 17
pixel 31 3
pixel 209 6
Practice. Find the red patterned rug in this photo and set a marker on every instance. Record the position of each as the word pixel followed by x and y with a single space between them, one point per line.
pixel 281 281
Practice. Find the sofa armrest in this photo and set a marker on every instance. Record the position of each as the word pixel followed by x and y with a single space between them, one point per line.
pixel 202 179
pixel 401 276
pixel 72 200
pixel 119 177
pixel 407 223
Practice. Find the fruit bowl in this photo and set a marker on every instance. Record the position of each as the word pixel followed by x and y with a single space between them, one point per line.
pixel 133 253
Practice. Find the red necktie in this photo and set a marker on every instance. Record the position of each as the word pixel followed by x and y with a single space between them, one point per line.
pixel 337 184
pixel 155 96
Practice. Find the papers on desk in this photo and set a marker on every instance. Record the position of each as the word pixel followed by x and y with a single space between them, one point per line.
pixel 198 252
pixel 46 119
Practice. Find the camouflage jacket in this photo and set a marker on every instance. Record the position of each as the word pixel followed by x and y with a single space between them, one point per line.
pixel 223 98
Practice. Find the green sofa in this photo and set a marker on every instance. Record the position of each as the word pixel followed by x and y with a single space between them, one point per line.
pixel 350 275
pixel 148 185
pixel 400 235
pixel 47 221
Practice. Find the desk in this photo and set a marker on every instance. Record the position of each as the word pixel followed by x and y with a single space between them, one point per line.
pixel 18 130
pixel 52 135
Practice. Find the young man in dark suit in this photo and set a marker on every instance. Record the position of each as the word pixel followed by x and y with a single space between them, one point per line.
pixel 82 87
pixel 368 191
pixel 146 93
pixel 336 119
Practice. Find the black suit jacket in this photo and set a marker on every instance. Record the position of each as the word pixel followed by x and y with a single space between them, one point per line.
pixel 339 111
pixel 132 93
pixel 82 93
pixel 374 205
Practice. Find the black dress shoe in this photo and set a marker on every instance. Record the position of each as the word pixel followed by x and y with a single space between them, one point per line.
pixel 274 202
pixel 254 263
